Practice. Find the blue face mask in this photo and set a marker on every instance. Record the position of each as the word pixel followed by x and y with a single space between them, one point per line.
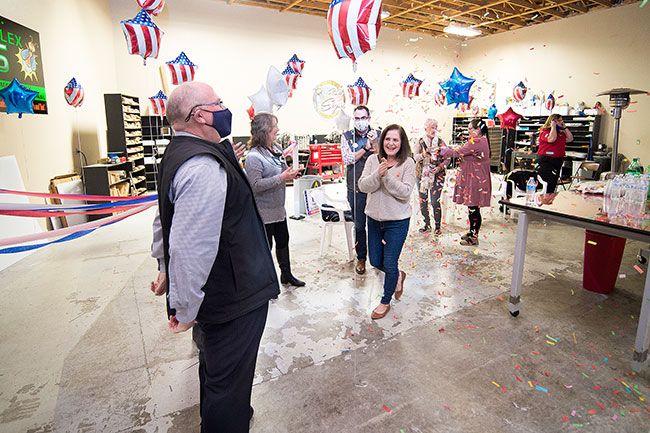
pixel 222 122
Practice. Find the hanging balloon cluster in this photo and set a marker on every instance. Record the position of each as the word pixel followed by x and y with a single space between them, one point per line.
pixel 141 33
pixel 411 87
pixel 181 69
pixel 353 27
pixel 279 87
pixel 274 94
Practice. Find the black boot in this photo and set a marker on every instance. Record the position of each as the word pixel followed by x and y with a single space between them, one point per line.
pixel 286 277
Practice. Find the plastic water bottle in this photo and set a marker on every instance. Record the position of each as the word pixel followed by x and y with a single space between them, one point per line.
pixel 635 167
pixel 531 187
pixel 607 197
pixel 614 197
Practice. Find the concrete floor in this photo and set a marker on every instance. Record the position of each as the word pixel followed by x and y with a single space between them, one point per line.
pixel 84 344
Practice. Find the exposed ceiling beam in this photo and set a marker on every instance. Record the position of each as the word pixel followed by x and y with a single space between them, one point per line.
pixel 527 13
pixel 399 14
pixel 461 13
pixel 528 5
pixel 296 2
pixel 603 3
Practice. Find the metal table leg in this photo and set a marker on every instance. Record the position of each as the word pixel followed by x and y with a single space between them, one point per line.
pixel 642 341
pixel 518 264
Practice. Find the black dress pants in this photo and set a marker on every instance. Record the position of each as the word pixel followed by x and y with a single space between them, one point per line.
pixel 227 366
pixel 549 171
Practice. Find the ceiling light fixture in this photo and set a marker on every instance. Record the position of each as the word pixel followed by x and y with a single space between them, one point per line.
pixel 456 29
pixel 384 14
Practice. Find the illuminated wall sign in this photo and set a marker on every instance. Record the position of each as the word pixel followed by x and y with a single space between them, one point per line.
pixel 20 57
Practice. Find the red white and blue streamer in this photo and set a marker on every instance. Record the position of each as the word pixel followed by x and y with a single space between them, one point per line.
pixel 127 206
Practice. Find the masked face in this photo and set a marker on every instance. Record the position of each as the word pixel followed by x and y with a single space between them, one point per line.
pixel 361 125
pixel 361 120
pixel 222 122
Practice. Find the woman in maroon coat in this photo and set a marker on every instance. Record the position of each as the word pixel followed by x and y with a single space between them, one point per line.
pixel 473 182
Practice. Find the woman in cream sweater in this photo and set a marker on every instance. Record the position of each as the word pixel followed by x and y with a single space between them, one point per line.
pixel 388 178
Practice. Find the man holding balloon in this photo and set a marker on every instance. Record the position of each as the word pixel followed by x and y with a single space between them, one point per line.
pixel 356 147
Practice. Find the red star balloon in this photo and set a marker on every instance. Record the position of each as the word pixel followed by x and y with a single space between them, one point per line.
pixel 509 119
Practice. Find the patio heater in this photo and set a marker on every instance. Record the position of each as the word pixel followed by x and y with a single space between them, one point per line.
pixel 619 100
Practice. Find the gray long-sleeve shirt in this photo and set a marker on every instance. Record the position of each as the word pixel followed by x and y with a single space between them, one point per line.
pixel 263 170
pixel 198 193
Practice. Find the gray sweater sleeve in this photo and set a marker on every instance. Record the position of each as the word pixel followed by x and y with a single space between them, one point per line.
pixel 254 168
pixel 198 192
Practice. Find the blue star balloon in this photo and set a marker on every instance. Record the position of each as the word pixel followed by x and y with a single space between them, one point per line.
pixel 18 98
pixel 492 111
pixel 457 88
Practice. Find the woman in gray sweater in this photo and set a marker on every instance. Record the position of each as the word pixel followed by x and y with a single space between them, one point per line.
pixel 268 173
pixel 388 178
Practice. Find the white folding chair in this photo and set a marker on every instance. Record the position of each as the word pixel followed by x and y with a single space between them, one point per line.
pixel 339 207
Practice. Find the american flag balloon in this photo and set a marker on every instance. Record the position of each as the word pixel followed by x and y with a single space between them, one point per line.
pixel 463 106
pixel 296 63
pixel 291 77
pixel 411 86
pixel 142 35
pixel 154 7
pixel 519 92
pixel 74 93
pixel 158 103
pixel 359 92
pixel 550 102
pixel 353 26
pixel 182 69
pixel 439 98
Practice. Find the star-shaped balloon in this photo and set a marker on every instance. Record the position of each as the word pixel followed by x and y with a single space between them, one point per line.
pixel 492 111
pixel 509 119
pixel 261 101
pixel 457 88
pixel 18 98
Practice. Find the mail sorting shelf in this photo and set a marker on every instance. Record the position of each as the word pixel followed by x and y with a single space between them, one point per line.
pixel 326 161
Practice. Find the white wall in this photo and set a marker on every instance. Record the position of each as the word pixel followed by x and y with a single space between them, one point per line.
pixel 234 45
pixel 76 40
pixel 577 57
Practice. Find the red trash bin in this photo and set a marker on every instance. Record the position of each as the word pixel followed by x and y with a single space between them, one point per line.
pixel 603 255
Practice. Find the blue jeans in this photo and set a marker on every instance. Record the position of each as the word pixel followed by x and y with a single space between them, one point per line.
pixel 385 255
pixel 358 205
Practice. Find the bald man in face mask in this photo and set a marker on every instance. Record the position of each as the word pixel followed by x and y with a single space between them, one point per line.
pixel 207 239
pixel 356 146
